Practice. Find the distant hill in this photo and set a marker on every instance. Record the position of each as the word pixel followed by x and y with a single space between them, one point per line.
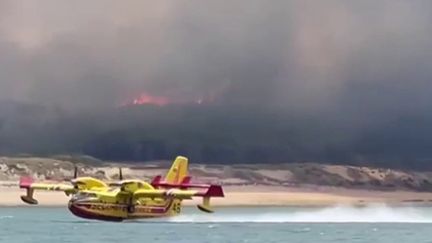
pixel 212 134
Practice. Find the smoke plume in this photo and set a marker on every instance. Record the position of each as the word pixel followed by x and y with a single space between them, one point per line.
pixel 334 81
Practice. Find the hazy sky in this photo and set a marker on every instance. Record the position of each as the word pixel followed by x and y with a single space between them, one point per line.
pixel 363 68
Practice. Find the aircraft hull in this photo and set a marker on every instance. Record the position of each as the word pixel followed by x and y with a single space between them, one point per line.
pixel 120 212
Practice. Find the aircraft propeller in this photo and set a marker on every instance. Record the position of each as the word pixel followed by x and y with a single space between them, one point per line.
pixel 75 185
pixel 120 174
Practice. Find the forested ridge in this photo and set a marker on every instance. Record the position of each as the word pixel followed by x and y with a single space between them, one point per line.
pixel 209 134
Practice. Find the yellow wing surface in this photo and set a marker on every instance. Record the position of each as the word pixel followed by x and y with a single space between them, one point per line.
pixel 174 193
pixel 78 184
pixel 184 194
pixel 51 187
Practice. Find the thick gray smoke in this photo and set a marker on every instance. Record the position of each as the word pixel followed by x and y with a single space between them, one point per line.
pixel 355 72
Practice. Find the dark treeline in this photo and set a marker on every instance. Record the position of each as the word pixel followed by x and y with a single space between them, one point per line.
pixel 210 134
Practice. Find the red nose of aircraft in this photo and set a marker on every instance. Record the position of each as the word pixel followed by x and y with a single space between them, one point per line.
pixel 88 210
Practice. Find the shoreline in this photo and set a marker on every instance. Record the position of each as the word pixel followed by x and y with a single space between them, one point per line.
pixel 254 196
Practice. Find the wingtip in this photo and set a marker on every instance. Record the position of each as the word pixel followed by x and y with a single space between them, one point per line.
pixel 217 191
pixel 214 191
pixel 25 182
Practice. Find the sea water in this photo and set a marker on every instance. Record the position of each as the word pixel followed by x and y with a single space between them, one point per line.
pixel 375 223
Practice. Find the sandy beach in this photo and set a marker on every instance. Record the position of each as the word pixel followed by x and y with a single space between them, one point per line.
pixel 258 196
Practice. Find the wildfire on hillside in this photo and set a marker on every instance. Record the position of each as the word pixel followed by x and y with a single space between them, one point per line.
pixel 145 98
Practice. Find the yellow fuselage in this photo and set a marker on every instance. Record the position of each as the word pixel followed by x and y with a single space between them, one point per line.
pixel 114 206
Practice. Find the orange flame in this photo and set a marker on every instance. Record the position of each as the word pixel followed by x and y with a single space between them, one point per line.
pixel 145 98
pixel 148 99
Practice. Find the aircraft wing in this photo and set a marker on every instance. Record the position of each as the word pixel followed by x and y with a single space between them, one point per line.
pixel 27 183
pixel 30 186
pixel 165 193
pixel 212 191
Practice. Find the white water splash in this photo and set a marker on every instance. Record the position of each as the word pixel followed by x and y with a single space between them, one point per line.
pixel 339 214
pixel 6 216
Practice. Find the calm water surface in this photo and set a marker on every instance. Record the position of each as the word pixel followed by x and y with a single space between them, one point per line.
pixel 269 224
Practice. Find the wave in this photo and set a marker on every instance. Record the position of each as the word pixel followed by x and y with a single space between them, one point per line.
pixel 6 216
pixel 338 214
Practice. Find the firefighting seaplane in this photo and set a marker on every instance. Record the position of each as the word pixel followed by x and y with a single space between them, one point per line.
pixel 129 199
